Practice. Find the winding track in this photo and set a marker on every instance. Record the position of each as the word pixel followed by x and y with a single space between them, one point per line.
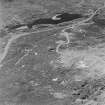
pixel 75 25
pixel 14 37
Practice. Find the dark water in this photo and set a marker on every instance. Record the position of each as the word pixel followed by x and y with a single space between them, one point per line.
pixel 68 17
pixel 64 17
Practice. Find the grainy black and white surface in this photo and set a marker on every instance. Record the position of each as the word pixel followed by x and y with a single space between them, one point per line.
pixel 52 52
